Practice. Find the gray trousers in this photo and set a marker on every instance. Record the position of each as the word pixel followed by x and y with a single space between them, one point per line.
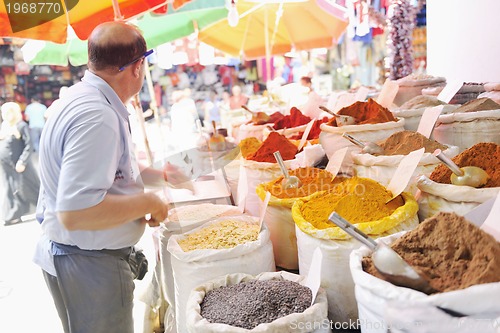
pixel 93 294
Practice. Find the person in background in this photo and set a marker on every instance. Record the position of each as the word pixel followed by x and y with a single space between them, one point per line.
pixel 35 116
pixel 183 116
pixel 211 108
pixel 92 206
pixel 237 99
pixel 18 176
pixel 311 107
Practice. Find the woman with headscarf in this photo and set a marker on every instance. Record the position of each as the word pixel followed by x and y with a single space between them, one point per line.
pixel 20 180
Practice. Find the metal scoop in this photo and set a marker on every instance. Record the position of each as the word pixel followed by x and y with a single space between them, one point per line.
pixel 366 147
pixel 387 262
pixel 469 175
pixel 288 181
pixel 342 120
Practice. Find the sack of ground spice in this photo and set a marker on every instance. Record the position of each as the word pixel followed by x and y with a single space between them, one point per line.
pixel 412 110
pixel 331 138
pixel 438 195
pixel 396 147
pixel 219 247
pixel 465 129
pixel 278 216
pixel 462 262
pixel 269 302
pixel 361 201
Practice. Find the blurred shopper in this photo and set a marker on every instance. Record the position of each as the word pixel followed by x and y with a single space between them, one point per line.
pixel 19 179
pixel 183 116
pixel 212 109
pixel 35 115
pixel 311 107
pixel 237 99
pixel 92 204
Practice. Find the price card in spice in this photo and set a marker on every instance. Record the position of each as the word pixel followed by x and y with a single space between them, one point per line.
pixel 428 120
pixel 314 276
pixel 388 93
pixel 492 223
pixel 404 172
pixel 449 91
pixel 335 161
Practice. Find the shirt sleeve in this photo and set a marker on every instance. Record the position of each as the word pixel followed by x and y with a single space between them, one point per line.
pixel 91 155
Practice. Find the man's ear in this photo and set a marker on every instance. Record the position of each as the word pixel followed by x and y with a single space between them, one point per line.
pixel 137 71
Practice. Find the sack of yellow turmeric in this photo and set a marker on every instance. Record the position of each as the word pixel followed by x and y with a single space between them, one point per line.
pixel 278 216
pixel 362 202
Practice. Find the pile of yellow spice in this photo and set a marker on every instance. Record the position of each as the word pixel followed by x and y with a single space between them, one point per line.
pixel 355 199
pixel 224 234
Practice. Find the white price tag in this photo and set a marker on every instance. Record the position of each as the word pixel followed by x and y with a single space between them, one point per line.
pixel 335 161
pixel 303 140
pixel 314 276
pixel 263 209
pixel 388 93
pixel 403 173
pixel 428 120
pixel 362 93
pixel 492 223
pixel 343 101
pixel 449 91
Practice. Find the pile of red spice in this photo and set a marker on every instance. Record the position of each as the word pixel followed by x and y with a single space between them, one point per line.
pixel 315 130
pixel 274 142
pixel 369 112
pixel 296 118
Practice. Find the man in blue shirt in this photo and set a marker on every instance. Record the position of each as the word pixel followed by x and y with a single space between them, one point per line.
pixel 92 204
pixel 35 115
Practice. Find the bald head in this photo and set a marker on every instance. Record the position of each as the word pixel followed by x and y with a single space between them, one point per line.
pixel 114 44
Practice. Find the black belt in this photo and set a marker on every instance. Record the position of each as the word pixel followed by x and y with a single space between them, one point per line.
pixel 123 253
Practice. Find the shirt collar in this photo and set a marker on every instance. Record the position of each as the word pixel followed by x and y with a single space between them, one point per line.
pixel 107 91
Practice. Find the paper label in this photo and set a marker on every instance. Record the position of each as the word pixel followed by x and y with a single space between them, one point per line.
pixel 314 276
pixel 335 161
pixel 404 172
pixel 388 93
pixel 428 120
pixel 305 135
pixel 492 223
pixel 361 94
pixel 263 209
pixel 449 91
pixel 478 215
pixel 343 101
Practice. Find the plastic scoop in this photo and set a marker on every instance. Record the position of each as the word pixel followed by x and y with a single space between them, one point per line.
pixel 217 142
pixel 387 262
pixel 469 175
pixel 288 181
pixel 341 119
pixel 366 147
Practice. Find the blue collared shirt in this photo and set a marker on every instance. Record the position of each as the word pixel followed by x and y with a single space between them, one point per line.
pixel 86 152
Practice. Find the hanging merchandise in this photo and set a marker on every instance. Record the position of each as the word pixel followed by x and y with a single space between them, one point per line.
pixel 402 16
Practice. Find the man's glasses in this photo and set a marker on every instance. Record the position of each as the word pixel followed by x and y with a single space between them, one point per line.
pixel 144 55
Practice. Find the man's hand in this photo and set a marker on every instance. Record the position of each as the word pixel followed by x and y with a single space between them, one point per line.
pixel 158 213
pixel 20 167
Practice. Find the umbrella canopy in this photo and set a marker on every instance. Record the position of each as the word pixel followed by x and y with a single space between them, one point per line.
pixel 275 27
pixel 157 29
pixel 51 23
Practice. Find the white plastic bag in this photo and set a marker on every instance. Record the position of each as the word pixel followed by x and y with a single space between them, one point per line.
pixel 436 197
pixel 465 129
pixel 180 220
pixel 382 168
pixel 191 269
pixel 331 138
pixel 314 317
pixel 372 295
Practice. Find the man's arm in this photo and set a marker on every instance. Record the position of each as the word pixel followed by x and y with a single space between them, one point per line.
pixel 115 210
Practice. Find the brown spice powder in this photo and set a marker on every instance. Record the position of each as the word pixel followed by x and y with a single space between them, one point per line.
pixel 485 155
pixel 480 104
pixel 453 253
pixel 403 143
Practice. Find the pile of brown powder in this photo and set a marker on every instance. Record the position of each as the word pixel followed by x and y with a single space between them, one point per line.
pixel 453 253
pixel 369 112
pixel 421 101
pixel 403 143
pixel 480 104
pixel 485 155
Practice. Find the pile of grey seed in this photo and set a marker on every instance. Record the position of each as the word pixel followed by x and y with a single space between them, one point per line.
pixel 249 304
